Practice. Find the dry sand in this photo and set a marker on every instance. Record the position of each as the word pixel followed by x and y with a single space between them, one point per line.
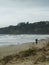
pixel 13 49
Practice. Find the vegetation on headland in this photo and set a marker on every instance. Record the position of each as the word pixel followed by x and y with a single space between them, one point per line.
pixel 41 27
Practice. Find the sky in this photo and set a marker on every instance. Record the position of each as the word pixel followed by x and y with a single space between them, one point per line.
pixel 13 12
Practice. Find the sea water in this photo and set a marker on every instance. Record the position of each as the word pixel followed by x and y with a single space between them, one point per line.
pixel 19 39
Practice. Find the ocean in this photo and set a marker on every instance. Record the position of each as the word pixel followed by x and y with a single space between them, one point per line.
pixel 19 39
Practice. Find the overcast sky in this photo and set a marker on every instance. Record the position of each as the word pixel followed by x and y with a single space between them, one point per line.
pixel 15 11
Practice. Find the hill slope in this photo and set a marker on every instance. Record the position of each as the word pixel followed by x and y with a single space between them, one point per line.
pixel 41 27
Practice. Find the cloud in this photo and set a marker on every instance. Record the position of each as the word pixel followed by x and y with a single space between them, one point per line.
pixel 15 11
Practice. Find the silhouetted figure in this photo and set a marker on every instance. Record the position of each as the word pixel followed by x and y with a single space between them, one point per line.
pixel 36 41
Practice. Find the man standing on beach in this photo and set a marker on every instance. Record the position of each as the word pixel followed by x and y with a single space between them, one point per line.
pixel 36 41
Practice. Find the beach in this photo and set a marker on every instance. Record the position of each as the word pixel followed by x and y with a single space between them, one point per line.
pixel 16 57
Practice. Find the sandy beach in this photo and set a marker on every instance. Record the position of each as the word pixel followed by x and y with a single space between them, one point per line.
pixel 17 54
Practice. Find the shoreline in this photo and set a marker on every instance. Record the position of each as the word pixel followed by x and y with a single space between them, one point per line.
pixel 20 39
pixel 41 40
pixel 25 45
